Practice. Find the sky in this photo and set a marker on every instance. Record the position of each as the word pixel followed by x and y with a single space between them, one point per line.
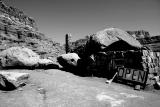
pixel 56 18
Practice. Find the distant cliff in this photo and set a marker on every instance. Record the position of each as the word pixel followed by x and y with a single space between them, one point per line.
pixel 18 29
pixel 139 34
pixel 14 16
pixel 152 42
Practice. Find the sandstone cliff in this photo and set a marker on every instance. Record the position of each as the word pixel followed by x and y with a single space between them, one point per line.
pixel 18 29
pixel 152 42
pixel 139 34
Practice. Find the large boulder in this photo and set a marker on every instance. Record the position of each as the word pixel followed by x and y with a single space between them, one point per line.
pixel 111 39
pixel 68 60
pixel 12 80
pixel 18 57
pixel 109 36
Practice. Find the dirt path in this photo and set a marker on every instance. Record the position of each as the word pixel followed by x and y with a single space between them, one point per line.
pixel 55 88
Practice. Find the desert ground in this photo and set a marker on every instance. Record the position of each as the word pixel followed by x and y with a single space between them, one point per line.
pixel 57 88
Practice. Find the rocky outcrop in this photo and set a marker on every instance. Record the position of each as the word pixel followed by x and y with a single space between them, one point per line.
pixel 21 57
pixel 15 16
pixel 139 34
pixel 18 29
pixel 153 43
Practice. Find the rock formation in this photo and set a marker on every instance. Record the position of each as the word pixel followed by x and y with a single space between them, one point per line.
pixel 69 60
pixel 106 37
pixel 15 17
pixel 17 29
pixel 139 34
pixel 21 57
pixel 110 39
pixel 12 80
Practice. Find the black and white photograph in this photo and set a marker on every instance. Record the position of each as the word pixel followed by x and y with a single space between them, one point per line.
pixel 79 53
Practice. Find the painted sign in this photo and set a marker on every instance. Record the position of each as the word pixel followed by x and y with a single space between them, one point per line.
pixel 133 75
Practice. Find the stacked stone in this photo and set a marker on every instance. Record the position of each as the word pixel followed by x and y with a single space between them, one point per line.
pixel 151 61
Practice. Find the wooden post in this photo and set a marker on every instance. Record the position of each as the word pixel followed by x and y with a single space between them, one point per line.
pixel 5 30
pixel 68 43
pixel 19 33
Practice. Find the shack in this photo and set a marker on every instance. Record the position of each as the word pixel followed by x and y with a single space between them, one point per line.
pixel 114 50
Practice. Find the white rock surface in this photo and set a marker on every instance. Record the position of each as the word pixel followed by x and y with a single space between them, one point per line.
pixel 22 57
pixel 15 78
pixel 68 60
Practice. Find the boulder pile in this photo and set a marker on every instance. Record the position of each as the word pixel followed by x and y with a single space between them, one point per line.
pixel 21 57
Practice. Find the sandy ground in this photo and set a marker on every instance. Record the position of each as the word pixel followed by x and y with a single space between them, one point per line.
pixel 56 88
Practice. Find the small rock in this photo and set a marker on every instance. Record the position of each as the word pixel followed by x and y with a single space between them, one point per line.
pixel 137 87
pixel 12 80
pixel 5 85
pixel 20 89
pixel 156 86
pixel 41 90
pixel 156 82
pixel 33 84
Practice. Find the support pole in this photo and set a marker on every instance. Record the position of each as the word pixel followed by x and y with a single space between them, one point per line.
pixel 68 43
pixel 5 30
